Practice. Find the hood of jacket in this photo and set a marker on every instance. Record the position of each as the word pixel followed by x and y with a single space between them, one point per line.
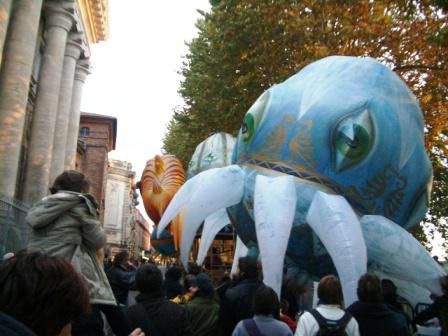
pixel 51 207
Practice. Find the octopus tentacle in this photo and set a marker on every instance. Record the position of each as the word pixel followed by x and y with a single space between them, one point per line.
pixel 337 226
pixel 199 199
pixel 274 208
pixel 212 225
pixel 396 253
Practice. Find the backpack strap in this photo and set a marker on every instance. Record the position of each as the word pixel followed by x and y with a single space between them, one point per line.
pixel 251 327
pixel 344 320
pixel 322 321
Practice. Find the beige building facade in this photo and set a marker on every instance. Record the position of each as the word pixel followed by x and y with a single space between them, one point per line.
pixel 124 225
pixel 44 61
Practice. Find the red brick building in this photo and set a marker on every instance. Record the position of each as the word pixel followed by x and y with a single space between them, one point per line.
pixel 97 137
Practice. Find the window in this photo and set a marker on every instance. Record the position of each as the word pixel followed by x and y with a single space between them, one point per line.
pixel 84 132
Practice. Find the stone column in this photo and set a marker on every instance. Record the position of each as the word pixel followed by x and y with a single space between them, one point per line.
pixel 72 53
pixel 5 12
pixel 15 76
pixel 37 174
pixel 82 70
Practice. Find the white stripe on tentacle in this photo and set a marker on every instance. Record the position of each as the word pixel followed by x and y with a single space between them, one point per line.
pixel 395 252
pixel 212 225
pixel 240 251
pixel 274 210
pixel 337 226
pixel 200 196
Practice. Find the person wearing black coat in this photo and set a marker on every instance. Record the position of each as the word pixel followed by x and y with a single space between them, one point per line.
pixel 153 313
pixel 236 303
pixel 437 309
pixel 374 318
pixel 121 277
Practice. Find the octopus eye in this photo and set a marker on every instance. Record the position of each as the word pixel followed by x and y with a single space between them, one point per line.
pixel 253 117
pixel 353 140
pixel 247 129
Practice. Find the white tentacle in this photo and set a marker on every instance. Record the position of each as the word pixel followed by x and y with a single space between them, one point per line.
pixel 274 208
pixel 199 199
pixel 336 225
pixel 212 225
pixel 240 251
pixel 397 253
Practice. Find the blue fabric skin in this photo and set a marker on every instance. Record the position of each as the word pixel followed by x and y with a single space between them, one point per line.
pixel 342 125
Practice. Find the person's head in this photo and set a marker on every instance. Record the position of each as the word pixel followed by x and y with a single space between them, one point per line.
pixel 202 286
pixel 173 273
pixel 266 302
pixel 248 267
pixel 284 306
pixel 389 291
pixel 148 279
pixel 369 289
pixel 194 269
pixel 121 258
pixel 44 293
pixel 444 284
pixel 70 180
pixel 329 290
pixel 188 282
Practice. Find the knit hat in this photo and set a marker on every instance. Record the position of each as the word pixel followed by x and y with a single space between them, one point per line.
pixel 203 282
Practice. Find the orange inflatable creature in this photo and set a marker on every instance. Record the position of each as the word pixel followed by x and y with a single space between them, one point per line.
pixel 161 179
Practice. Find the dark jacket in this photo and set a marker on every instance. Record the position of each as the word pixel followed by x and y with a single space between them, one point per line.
pixel 121 280
pixel 202 316
pixel 236 304
pixel 11 327
pixel 376 319
pixel 438 309
pixel 166 317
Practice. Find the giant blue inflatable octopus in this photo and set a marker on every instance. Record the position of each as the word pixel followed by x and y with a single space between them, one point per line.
pixel 328 172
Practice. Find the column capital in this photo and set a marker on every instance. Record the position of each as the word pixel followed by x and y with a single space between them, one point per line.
pixel 73 49
pixel 56 16
pixel 82 70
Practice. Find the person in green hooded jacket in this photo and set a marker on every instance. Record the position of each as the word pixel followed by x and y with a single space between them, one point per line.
pixel 65 224
pixel 202 311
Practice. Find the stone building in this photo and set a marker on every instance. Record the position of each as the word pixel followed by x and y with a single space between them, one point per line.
pixel 44 61
pixel 44 50
pixel 124 225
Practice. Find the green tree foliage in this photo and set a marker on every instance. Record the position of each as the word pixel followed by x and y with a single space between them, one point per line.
pixel 246 46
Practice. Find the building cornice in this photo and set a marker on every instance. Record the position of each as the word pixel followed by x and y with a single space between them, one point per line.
pixel 95 16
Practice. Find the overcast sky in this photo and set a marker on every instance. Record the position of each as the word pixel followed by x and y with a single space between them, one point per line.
pixel 134 75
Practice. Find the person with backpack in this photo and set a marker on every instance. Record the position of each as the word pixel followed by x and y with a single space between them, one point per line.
pixel 328 318
pixel 265 322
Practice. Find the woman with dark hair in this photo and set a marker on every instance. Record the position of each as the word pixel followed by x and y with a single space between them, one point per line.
pixel 66 224
pixel 266 311
pixel 121 277
pixel 374 318
pixel 44 293
pixel 202 311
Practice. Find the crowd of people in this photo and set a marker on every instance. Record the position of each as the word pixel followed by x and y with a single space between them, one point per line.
pixel 61 285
